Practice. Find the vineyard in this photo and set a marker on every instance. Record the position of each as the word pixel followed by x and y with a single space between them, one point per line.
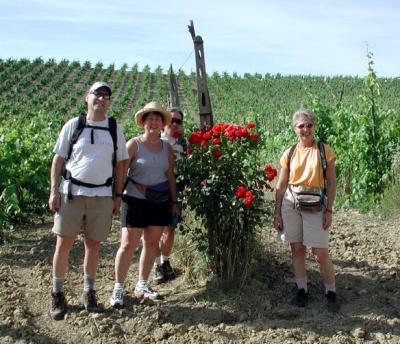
pixel 358 116
pixel 37 97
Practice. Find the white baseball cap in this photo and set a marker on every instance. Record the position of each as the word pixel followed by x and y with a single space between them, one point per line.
pixel 100 84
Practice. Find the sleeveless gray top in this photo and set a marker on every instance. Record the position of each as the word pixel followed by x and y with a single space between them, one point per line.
pixel 147 168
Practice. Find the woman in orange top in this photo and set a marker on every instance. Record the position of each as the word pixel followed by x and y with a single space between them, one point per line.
pixel 302 228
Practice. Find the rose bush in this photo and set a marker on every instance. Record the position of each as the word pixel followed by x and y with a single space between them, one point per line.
pixel 225 185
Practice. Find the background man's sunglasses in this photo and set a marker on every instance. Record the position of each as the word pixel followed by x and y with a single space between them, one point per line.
pixel 176 120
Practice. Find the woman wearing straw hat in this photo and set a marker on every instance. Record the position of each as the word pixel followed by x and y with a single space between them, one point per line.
pixel 151 168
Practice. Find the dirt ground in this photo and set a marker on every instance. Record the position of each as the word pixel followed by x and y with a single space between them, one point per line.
pixel 366 253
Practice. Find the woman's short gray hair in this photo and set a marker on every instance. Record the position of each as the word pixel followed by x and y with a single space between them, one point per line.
pixel 304 113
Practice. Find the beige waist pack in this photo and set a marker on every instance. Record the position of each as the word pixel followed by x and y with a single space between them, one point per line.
pixel 307 199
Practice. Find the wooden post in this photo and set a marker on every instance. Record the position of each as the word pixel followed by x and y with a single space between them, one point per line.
pixel 206 117
pixel 174 97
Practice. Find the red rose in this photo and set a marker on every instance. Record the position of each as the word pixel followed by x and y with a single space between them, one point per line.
pixel 249 198
pixel 206 136
pixel 255 136
pixel 247 202
pixel 189 151
pixel 195 137
pixel 250 125
pixel 177 134
pixel 270 176
pixel 217 154
pixel 271 172
pixel 230 133
pixel 268 168
pixel 241 191
pixel 216 141
pixel 216 130
pixel 241 132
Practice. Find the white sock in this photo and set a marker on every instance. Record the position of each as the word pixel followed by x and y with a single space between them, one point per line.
pixel 164 258
pixel 157 261
pixel 118 286
pixel 88 283
pixel 141 283
pixel 302 283
pixel 58 284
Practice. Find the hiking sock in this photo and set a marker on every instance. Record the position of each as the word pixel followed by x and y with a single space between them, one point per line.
pixel 58 284
pixel 88 283
pixel 164 258
pixel 330 287
pixel 302 283
pixel 157 261
pixel 118 286
pixel 141 283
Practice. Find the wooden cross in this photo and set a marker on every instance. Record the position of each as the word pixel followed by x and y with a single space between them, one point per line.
pixel 206 117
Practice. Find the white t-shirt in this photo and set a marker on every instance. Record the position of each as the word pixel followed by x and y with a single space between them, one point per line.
pixel 176 147
pixel 90 163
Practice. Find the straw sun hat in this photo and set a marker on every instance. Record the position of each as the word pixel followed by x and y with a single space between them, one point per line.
pixel 152 107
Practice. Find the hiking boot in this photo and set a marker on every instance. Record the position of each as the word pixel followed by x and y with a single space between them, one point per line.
pixel 144 291
pixel 159 276
pixel 58 306
pixel 301 299
pixel 332 303
pixel 88 300
pixel 169 273
pixel 117 298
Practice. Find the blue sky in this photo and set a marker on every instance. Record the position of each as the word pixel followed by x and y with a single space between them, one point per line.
pixel 314 37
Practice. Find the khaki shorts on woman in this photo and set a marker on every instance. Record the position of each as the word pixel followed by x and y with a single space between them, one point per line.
pixel 303 226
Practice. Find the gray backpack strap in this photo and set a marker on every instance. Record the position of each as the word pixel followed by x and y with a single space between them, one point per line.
pixel 323 161
pixel 292 149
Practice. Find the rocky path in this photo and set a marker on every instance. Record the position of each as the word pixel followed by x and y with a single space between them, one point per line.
pixel 366 253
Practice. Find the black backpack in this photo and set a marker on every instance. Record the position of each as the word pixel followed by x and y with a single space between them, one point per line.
pixel 112 129
pixel 322 155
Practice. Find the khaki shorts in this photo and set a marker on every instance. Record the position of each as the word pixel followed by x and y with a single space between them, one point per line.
pixel 302 226
pixel 92 215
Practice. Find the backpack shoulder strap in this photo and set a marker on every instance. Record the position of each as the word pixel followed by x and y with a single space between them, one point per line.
pixel 323 161
pixel 292 149
pixel 77 132
pixel 323 157
pixel 112 125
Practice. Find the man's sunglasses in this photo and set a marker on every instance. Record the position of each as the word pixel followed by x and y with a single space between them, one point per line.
pixel 99 94
pixel 176 120
pixel 308 126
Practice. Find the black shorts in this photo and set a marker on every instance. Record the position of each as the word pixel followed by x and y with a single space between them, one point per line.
pixel 140 213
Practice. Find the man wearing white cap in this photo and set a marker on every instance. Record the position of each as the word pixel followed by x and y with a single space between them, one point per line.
pixel 93 149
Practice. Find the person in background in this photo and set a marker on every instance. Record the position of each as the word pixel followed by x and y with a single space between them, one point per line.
pixel 84 197
pixel 173 134
pixel 151 164
pixel 302 171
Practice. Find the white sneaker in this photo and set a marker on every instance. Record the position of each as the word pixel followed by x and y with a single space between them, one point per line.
pixel 144 291
pixel 117 298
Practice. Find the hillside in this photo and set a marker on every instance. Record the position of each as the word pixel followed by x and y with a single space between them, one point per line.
pixel 57 88
pixel 38 96
pixel 365 251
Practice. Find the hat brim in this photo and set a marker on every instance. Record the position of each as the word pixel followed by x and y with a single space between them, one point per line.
pixel 139 116
pixel 105 87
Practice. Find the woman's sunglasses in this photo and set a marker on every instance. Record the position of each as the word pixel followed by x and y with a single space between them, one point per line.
pixel 176 120
pixel 308 126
